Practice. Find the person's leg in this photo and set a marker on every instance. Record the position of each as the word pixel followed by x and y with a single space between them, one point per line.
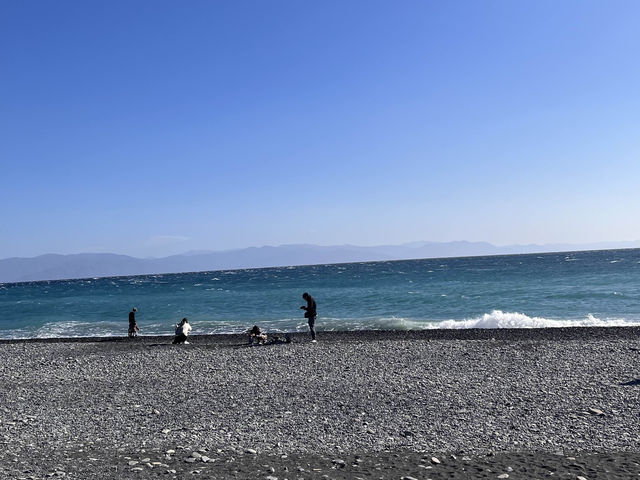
pixel 312 324
pixel 179 339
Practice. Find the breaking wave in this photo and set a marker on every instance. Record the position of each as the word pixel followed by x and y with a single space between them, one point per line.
pixel 500 319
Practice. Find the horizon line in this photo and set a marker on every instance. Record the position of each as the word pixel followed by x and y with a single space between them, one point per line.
pixel 589 246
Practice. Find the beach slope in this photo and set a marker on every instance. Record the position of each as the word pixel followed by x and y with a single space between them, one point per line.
pixel 436 404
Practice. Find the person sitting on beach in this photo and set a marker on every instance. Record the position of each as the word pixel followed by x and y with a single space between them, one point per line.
pixel 182 330
pixel 133 326
pixel 255 334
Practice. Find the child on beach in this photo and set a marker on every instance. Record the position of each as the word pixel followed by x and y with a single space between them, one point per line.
pixel 182 331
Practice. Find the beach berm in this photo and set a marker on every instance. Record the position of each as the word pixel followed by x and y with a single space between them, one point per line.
pixel 524 403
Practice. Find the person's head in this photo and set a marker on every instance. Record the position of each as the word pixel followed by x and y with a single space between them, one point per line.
pixel 184 320
pixel 135 309
pixel 305 295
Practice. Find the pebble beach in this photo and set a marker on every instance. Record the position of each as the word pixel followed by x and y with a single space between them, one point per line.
pixel 507 403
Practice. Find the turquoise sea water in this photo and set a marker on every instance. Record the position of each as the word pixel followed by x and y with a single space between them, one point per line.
pixel 539 290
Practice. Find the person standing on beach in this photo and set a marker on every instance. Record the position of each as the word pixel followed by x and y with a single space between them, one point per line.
pixel 133 326
pixel 310 314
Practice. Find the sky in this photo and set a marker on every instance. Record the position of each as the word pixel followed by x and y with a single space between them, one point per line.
pixel 151 128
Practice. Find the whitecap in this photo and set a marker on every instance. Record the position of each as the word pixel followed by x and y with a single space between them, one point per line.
pixel 500 319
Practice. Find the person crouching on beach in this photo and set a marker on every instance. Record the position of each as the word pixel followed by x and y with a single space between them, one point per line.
pixel 133 326
pixel 257 335
pixel 310 314
pixel 182 331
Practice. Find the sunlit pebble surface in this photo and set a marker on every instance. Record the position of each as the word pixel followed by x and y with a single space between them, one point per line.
pixel 375 404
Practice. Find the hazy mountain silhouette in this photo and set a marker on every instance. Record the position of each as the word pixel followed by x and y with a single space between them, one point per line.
pixel 88 265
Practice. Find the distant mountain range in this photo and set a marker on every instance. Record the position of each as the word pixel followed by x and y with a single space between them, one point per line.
pixel 88 265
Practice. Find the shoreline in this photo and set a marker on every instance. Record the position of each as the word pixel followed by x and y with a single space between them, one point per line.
pixel 505 334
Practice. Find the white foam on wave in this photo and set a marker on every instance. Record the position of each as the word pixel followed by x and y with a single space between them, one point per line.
pixel 66 329
pixel 496 319
pixel 384 323
pixel 500 319
pixel 400 323
pixel 72 329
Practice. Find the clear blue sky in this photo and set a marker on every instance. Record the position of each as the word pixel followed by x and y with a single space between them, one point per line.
pixel 157 127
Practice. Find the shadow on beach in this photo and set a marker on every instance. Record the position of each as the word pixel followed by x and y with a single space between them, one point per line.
pixel 631 383
pixel 269 343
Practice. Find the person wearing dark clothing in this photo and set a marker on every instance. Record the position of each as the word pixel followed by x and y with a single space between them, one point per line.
pixel 310 314
pixel 133 326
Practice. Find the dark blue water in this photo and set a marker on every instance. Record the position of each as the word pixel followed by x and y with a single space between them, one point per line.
pixel 580 288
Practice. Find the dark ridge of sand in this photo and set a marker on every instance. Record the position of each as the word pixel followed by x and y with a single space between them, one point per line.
pixel 519 402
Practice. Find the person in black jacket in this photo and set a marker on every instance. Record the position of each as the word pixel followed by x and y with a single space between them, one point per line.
pixel 310 314
pixel 133 326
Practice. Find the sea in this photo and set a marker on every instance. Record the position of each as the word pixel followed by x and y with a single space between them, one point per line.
pixel 593 288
